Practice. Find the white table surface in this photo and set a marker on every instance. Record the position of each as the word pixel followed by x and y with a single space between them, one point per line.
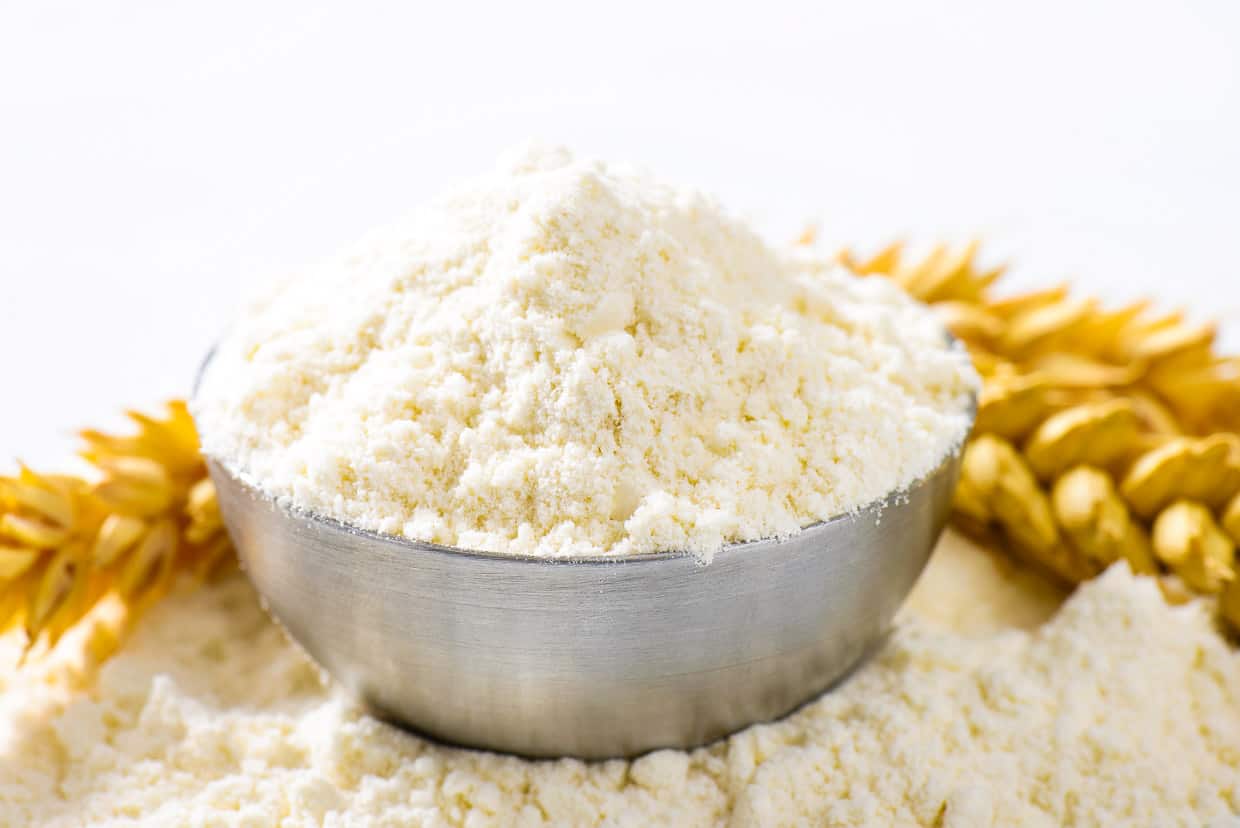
pixel 155 158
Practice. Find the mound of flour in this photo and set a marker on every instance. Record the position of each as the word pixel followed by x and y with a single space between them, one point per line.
pixel 570 358
pixel 1119 710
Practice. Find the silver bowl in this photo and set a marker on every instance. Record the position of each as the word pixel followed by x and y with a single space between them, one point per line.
pixel 596 657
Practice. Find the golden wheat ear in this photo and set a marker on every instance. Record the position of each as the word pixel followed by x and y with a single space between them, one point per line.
pixel 1102 434
pixel 118 536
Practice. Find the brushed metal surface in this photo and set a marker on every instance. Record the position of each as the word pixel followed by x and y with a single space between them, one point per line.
pixel 590 658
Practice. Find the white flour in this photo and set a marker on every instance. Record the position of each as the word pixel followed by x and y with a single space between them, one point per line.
pixel 567 358
pixel 1118 711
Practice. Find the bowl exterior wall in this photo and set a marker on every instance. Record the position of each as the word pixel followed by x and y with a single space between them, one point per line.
pixel 592 659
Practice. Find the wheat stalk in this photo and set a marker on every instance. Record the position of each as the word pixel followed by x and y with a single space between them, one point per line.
pixel 1102 434
pixel 69 544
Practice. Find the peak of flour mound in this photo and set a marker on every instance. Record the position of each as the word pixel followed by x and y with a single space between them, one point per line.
pixel 570 358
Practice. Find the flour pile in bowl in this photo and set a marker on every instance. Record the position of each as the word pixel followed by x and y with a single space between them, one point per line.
pixel 567 358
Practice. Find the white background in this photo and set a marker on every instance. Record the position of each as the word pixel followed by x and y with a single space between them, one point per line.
pixel 155 158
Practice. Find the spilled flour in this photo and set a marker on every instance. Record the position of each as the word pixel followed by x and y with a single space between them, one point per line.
pixel 570 358
pixel 1118 710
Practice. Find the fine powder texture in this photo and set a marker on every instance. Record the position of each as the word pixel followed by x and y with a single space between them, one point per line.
pixel 566 358
pixel 1119 710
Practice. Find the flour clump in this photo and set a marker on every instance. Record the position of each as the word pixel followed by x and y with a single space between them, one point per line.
pixel 569 358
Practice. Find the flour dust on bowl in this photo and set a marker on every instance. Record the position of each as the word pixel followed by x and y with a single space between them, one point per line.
pixel 598 657
pixel 572 462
